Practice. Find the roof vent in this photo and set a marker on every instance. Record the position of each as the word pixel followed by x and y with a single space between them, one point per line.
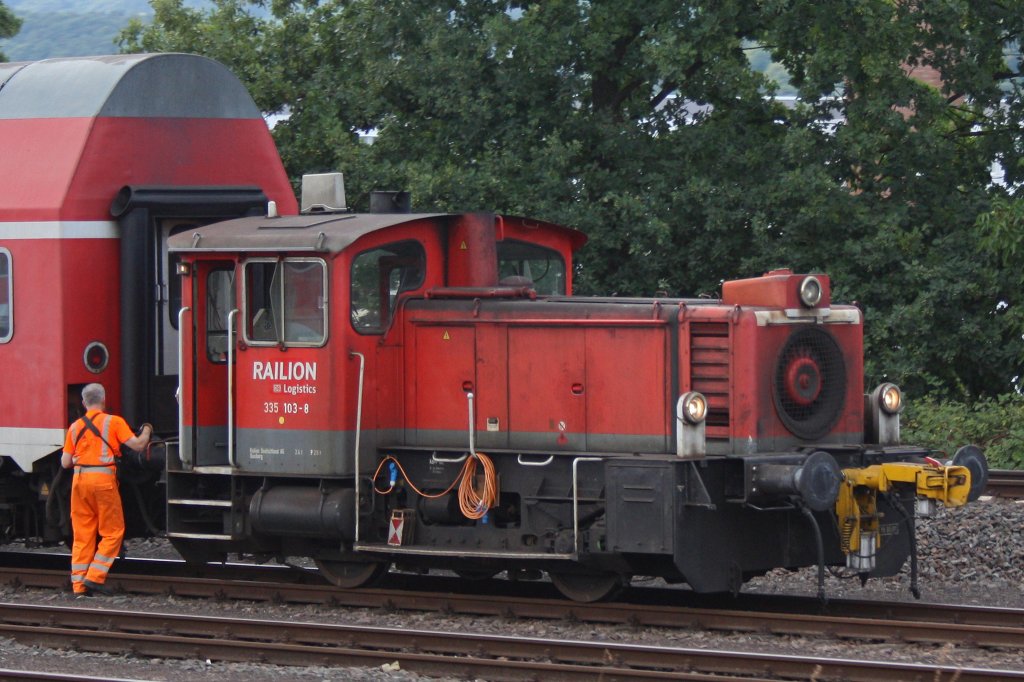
pixel 323 193
pixel 390 202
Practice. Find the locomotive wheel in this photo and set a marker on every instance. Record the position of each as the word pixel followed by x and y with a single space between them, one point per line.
pixel 588 587
pixel 351 574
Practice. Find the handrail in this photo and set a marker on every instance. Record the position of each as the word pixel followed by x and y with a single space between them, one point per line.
pixel 538 463
pixel 434 457
pixel 359 431
pixel 231 387
pixel 472 424
pixel 181 378
pixel 576 501
pixel 472 439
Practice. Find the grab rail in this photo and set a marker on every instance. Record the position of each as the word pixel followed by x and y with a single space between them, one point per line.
pixel 359 431
pixel 472 439
pixel 231 387
pixel 181 378
pixel 539 463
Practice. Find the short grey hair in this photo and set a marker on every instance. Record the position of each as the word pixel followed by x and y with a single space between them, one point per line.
pixel 94 394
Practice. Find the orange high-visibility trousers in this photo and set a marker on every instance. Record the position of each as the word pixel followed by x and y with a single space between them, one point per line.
pixel 95 509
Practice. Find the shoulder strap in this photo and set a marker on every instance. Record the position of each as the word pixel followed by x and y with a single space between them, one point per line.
pixel 96 432
pixel 81 431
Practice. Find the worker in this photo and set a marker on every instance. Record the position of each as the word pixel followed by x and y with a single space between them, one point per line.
pixel 92 447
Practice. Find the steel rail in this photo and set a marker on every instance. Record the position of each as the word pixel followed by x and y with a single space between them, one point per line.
pixel 13 674
pixel 1006 483
pixel 498 657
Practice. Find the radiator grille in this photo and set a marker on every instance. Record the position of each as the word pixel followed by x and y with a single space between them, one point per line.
pixel 810 383
pixel 709 373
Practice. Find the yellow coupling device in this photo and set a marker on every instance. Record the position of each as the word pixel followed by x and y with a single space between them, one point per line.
pixel 857 504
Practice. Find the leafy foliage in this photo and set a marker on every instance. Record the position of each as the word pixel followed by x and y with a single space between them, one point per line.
pixel 9 25
pixel 643 124
pixel 995 424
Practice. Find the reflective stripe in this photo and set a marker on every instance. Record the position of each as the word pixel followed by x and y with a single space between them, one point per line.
pixel 104 559
pixel 79 567
pixel 95 469
pixel 100 568
pixel 106 456
pixel 74 439
pixel 75 578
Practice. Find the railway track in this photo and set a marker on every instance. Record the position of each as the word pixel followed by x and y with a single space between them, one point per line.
pixel 1000 628
pixel 1006 483
pixel 493 657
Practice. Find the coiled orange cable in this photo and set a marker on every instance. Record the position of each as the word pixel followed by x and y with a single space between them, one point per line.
pixel 473 504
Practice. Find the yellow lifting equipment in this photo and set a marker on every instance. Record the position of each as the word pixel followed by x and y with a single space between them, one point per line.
pixel 857 506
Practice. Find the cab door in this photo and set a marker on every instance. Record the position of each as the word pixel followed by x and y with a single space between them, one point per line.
pixel 214 299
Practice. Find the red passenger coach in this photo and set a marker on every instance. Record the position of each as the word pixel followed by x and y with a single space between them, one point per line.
pixel 104 158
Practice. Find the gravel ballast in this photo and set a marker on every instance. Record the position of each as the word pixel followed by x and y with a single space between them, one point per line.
pixel 973 555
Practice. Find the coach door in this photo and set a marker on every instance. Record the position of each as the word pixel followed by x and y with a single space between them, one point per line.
pixel 164 325
pixel 212 305
pixel 150 288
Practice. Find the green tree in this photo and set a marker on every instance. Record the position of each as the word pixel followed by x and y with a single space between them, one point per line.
pixel 9 26
pixel 643 124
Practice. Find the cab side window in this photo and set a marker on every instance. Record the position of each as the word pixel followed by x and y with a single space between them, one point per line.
pixel 220 301
pixel 286 302
pixel 524 264
pixel 6 297
pixel 378 277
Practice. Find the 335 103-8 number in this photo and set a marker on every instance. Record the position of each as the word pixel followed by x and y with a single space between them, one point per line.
pixel 286 408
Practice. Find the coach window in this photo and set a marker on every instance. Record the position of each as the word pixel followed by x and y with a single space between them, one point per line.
pixel 286 302
pixel 521 263
pixel 6 297
pixel 220 301
pixel 378 277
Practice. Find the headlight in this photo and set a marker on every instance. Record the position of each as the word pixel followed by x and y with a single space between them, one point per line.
pixel 695 407
pixel 890 398
pixel 810 291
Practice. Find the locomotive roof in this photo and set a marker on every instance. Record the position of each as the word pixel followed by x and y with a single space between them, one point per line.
pixel 136 85
pixel 316 232
pixel 319 232
pixel 74 131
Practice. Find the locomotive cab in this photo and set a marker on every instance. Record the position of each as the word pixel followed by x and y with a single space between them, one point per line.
pixel 293 362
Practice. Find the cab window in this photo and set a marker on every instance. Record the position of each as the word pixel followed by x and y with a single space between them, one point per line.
pixel 6 297
pixel 286 302
pixel 220 301
pixel 525 264
pixel 378 277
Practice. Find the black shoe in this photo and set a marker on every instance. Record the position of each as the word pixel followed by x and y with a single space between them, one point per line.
pixel 98 588
pixel 83 595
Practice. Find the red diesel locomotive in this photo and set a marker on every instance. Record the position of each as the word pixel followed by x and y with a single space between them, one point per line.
pixel 423 390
